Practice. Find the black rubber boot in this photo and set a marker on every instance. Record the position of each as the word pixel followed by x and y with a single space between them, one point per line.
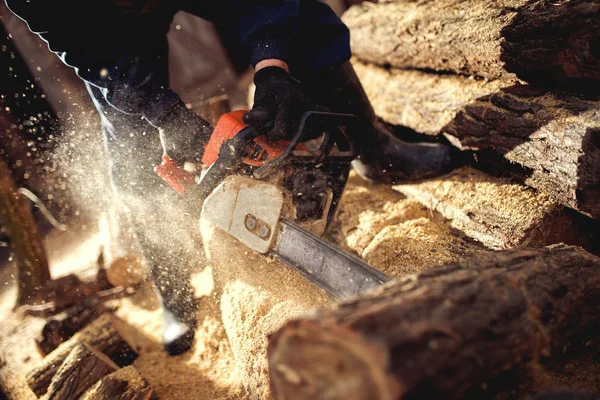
pixel 381 156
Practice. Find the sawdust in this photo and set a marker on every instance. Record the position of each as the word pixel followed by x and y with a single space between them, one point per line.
pixel 249 316
pixel 395 234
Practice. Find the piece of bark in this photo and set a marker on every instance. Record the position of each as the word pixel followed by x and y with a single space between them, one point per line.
pixel 538 40
pixel 83 367
pixel 63 326
pixel 124 384
pixel 448 332
pixel 13 386
pixel 553 137
pixel 25 240
pixel 101 334
pixel 498 212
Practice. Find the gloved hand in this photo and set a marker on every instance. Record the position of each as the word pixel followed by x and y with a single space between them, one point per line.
pixel 279 98
pixel 183 134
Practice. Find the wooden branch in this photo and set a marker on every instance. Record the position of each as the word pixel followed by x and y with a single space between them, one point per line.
pixel 444 333
pixel 83 367
pixel 124 384
pixel 538 40
pixel 62 327
pixel 101 334
pixel 32 264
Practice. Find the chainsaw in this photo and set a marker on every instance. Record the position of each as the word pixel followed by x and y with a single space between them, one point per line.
pixel 277 198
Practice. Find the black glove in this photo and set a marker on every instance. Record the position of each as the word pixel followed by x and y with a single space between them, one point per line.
pixel 279 98
pixel 183 134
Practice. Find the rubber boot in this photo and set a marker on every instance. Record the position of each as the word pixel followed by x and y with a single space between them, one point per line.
pixel 381 156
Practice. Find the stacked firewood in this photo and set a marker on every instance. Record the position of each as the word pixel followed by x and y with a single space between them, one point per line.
pixel 516 83
pixel 92 363
pixel 516 80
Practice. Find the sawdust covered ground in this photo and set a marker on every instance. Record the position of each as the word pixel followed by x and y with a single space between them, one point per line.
pixel 243 297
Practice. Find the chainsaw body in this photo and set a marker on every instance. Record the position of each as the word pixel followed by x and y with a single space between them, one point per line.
pixel 309 175
pixel 278 198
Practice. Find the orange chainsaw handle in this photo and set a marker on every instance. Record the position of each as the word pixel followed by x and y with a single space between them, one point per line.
pixel 261 151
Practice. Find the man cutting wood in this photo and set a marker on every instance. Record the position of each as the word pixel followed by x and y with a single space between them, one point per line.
pixel 300 53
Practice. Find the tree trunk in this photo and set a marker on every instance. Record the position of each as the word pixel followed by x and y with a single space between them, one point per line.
pixel 101 334
pixel 124 384
pixel 83 367
pixel 446 333
pixel 539 40
pixel 32 264
pixel 554 137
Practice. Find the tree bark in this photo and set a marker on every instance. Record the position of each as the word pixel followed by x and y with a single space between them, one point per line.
pixel 445 333
pixel 552 136
pixel 538 40
pixel 124 384
pixel 32 264
pixel 101 334
pixel 83 367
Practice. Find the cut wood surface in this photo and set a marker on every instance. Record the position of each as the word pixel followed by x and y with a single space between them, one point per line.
pixel 497 212
pixel 553 136
pixel 124 384
pixel 83 367
pixel 101 334
pixel 25 240
pixel 537 39
pixel 444 333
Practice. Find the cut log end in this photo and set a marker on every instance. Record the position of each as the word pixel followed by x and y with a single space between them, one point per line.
pixel 328 353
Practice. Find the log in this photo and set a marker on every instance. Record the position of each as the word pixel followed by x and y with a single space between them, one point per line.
pixel 25 240
pixel 83 367
pixel 537 40
pixel 418 100
pixel 500 213
pixel 449 332
pixel 551 136
pixel 124 384
pixel 101 334
pixel 63 326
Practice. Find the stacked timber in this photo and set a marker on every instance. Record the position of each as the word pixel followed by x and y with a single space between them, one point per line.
pixel 515 80
pixel 94 363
